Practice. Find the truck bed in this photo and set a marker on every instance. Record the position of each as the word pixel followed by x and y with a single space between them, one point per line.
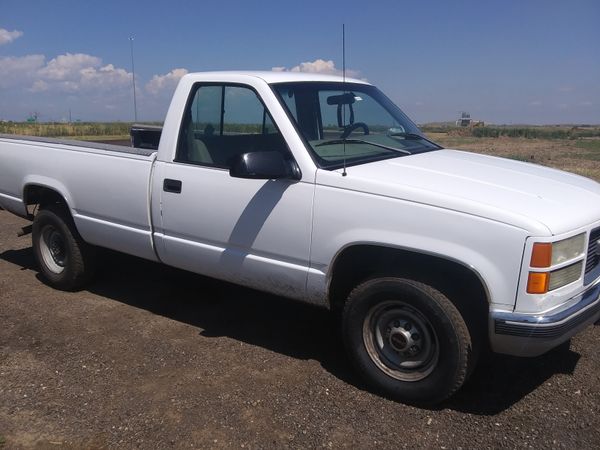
pixel 107 187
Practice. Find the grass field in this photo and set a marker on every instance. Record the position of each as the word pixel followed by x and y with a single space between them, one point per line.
pixel 80 130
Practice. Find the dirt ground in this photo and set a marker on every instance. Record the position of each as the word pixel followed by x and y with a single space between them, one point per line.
pixel 151 357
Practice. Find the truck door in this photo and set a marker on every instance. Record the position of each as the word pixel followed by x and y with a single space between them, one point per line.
pixel 252 232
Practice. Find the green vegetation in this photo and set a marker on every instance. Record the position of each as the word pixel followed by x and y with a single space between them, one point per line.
pixel 77 130
pixel 591 147
pixel 89 131
pixel 536 132
pixel 589 144
pixel 528 132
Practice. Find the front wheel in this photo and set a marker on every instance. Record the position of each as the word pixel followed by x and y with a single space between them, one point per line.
pixel 65 260
pixel 407 339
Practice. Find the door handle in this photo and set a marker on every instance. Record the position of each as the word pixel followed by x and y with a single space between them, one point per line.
pixel 173 186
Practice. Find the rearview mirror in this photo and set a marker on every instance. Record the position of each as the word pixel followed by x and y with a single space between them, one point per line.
pixel 264 166
pixel 342 99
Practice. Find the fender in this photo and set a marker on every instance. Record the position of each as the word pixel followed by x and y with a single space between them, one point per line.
pixel 49 183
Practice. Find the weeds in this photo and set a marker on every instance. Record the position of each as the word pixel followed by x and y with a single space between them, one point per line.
pixel 66 129
pixel 528 132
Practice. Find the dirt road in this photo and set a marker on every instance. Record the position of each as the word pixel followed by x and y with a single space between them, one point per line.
pixel 152 357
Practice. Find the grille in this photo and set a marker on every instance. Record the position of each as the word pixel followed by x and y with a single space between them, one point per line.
pixel 593 256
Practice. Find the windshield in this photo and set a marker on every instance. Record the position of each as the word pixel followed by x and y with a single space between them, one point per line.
pixel 351 122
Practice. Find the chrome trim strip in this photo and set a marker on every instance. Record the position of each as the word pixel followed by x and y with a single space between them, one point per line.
pixel 584 301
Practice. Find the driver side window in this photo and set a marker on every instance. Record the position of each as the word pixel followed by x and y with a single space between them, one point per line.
pixel 223 121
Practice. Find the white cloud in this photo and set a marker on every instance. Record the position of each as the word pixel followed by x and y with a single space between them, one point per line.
pixel 39 86
pixel 81 82
pixel 79 72
pixel 106 77
pixel 165 83
pixel 6 37
pixel 65 73
pixel 19 70
pixel 317 66
pixel 68 66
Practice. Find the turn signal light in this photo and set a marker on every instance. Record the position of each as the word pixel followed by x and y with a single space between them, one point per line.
pixel 541 256
pixel 537 283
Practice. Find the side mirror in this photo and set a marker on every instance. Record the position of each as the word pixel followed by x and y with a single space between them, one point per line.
pixel 264 166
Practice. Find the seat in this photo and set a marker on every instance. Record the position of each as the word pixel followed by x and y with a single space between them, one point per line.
pixel 196 149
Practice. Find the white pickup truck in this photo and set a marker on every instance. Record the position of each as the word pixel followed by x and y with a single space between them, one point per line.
pixel 321 189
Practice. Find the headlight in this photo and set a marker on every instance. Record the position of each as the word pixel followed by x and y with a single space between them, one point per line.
pixel 568 249
pixel 564 276
pixel 547 255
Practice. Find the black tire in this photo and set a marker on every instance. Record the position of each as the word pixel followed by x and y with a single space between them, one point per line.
pixel 66 262
pixel 407 340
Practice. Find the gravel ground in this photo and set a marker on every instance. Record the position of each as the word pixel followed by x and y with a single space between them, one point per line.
pixel 151 357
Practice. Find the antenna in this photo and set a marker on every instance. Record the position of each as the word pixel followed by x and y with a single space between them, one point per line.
pixel 133 79
pixel 344 173
pixel 344 52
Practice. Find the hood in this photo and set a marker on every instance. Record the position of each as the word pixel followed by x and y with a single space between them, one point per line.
pixel 536 198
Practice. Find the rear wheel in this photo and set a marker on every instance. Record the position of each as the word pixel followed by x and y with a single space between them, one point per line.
pixel 407 339
pixel 65 260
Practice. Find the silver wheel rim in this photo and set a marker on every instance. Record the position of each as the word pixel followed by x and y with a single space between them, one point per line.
pixel 53 249
pixel 400 341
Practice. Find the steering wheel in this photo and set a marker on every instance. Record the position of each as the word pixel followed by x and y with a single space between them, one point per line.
pixel 350 128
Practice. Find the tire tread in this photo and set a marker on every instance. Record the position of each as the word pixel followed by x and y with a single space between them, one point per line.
pixel 81 254
pixel 456 320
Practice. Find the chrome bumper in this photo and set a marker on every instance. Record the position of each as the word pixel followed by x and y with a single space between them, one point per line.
pixel 531 335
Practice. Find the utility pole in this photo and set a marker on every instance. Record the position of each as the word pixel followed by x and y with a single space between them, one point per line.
pixel 133 78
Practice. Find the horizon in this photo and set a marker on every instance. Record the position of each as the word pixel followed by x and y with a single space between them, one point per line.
pixel 506 63
pixel 448 123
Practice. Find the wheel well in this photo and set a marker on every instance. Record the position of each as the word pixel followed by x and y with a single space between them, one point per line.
pixel 459 283
pixel 43 196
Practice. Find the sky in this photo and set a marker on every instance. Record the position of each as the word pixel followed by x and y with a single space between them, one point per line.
pixel 505 62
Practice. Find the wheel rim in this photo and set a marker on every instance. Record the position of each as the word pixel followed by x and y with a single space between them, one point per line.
pixel 400 340
pixel 53 249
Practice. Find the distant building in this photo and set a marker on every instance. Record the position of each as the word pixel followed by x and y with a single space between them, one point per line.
pixel 466 121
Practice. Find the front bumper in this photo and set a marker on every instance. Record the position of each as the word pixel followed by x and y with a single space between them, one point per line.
pixel 531 335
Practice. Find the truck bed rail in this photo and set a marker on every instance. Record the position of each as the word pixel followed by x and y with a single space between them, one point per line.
pixel 85 144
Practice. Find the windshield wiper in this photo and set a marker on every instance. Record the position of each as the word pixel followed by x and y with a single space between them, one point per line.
pixel 407 135
pixel 360 141
pixel 412 136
